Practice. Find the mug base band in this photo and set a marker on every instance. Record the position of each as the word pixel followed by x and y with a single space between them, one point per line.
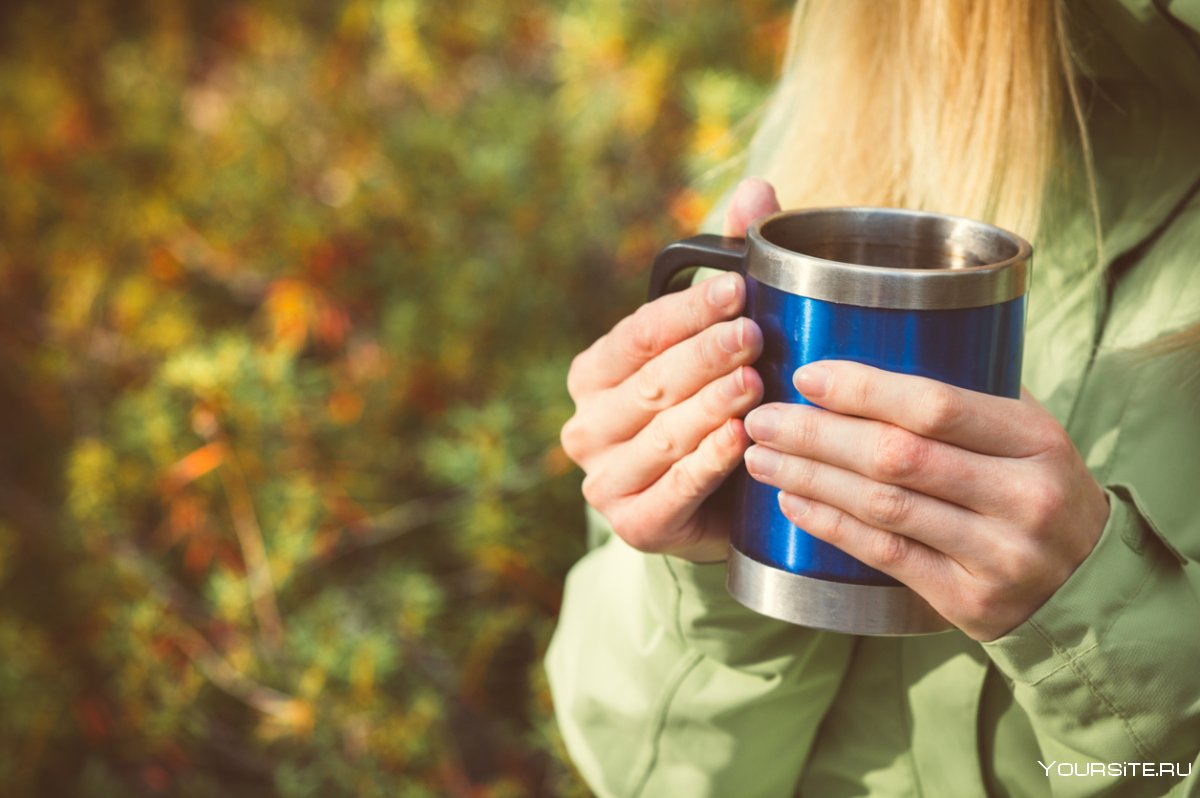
pixel 833 606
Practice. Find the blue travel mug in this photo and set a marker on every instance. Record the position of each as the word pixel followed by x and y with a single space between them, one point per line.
pixel 919 293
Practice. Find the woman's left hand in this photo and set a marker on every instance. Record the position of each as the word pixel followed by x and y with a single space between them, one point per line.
pixel 980 504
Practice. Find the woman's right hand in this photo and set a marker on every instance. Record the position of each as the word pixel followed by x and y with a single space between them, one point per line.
pixel 658 407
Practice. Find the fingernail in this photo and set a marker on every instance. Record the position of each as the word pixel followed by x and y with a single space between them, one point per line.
pixel 732 336
pixel 763 423
pixel 722 291
pixel 735 386
pixel 813 380
pixel 761 461
pixel 792 505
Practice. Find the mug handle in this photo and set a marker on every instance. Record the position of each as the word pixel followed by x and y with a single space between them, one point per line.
pixel 716 252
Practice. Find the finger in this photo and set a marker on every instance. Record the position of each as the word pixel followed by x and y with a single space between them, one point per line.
pixel 752 200
pixel 980 422
pixel 924 570
pixel 672 502
pixel 672 377
pixel 653 329
pixel 943 527
pixel 885 453
pixel 633 466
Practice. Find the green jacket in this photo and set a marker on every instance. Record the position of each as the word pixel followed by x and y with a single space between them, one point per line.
pixel 665 686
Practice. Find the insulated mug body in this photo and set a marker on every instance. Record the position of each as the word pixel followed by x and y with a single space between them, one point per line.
pixel 918 293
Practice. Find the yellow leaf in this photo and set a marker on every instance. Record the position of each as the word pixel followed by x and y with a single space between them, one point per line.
pixel 362 672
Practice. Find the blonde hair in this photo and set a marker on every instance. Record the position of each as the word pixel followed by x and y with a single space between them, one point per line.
pixel 943 105
pixel 938 105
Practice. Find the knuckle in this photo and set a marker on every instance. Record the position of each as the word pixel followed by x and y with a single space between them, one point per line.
pixel 592 492
pixel 1016 563
pixel 727 443
pixel 713 404
pixel 695 478
pixel 893 550
pixel 862 390
pixel 576 375
pixel 642 341
pixel 803 474
pixel 1005 563
pixel 837 527
pixel 940 410
pixel 1057 442
pixel 661 437
pixel 806 429
pixel 899 454
pixel 696 306
pixel 705 351
pixel 685 483
pixel 651 395
pixel 888 505
pixel 1045 501
pixel 571 437
pixel 714 407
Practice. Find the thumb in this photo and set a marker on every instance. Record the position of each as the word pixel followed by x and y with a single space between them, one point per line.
pixel 753 199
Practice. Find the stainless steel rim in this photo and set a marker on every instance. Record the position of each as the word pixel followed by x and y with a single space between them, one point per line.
pixel 835 606
pixel 937 262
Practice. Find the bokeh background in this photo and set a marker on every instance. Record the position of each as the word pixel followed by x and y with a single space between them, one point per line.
pixel 288 292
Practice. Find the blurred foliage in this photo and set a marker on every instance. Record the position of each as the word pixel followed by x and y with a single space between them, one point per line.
pixel 288 291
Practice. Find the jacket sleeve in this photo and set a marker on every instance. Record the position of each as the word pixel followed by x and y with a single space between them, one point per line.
pixel 664 686
pixel 1106 669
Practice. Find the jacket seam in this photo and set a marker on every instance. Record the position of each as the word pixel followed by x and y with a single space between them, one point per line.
pixel 674 682
pixel 677 610
pixel 1066 660
pixel 684 669
pixel 1073 662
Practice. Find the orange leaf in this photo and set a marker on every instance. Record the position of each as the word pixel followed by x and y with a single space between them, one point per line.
pixel 344 407
pixel 198 554
pixel 193 466
pixel 688 209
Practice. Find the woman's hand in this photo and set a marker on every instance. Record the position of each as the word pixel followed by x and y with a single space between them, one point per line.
pixel 658 406
pixel 980 504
